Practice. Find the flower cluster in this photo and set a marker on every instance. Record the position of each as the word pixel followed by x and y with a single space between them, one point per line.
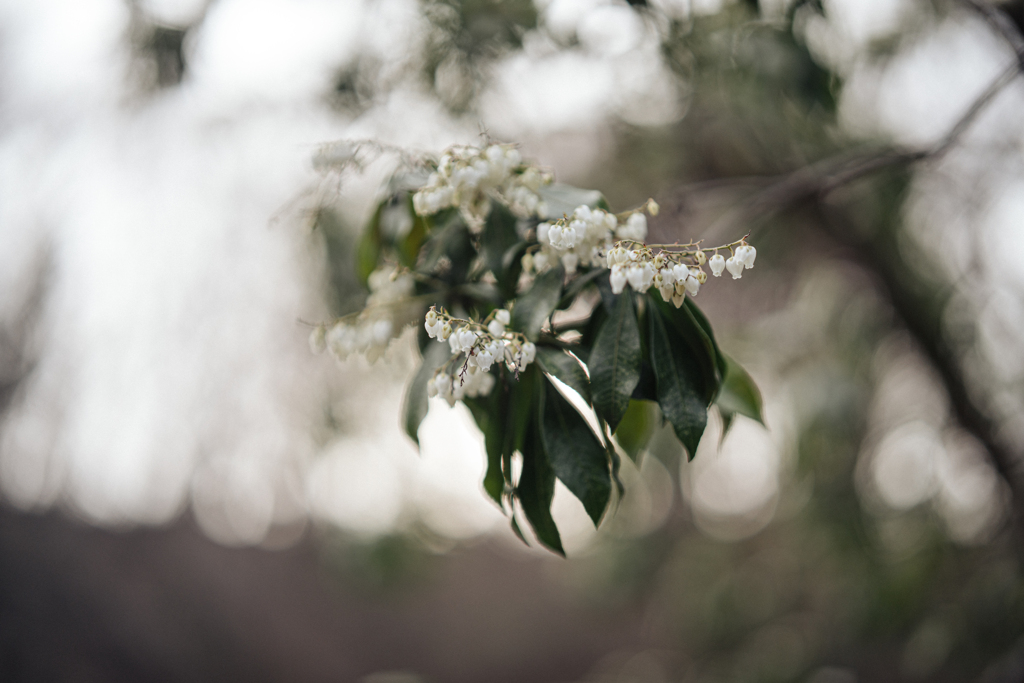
pixel 371 330
pixel 467 176
pixel 483 346
pixel 674 273
pixel 584 238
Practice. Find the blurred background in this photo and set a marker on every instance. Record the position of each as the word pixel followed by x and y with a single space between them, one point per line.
pixel 188 494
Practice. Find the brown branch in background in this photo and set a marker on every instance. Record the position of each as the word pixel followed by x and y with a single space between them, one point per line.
pixel 1003 26
pixel 920 311
pixel 821 178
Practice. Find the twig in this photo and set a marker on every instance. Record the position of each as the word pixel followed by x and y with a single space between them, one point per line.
pixel 821 178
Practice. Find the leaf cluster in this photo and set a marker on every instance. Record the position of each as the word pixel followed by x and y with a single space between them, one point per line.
pixel 603 382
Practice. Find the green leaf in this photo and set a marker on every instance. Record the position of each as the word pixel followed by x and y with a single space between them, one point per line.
pixel 705 325
pixel 641 421
pixel 563 199
pixel 368 251
pixel 491 413
pixel 536 305
pixel 679 379
pixel 516 530
pixel 691 342
pixel 575 454
pixel 598 317
pixel 499 236
pixel 449 251
pixel 415 408
pixel 536 489
pixel 615 362
pixel 409 246
pixel 739 394
pixel 567 369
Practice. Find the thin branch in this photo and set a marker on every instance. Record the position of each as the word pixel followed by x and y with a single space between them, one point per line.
pixel 1002 25
pixel 821 178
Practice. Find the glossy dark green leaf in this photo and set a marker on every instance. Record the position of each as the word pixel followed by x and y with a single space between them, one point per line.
pixel 449 251
pixel 574 452
pixel 537 304
pixel 409 246
pixel 368 251
pixel 589 333
pixel 739 394
pixel 498 237
pixel 491 415
pixel 415 408
pixel 692 343
pixel 679 377
pixel 511 270
pixel 614 362
pixel 705 325
pixel 567 369
pixel 516 530
pixel 536 488
pixel 638 425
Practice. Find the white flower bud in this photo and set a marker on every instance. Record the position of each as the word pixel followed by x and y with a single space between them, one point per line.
pixel 529 353
pixel 496 328
pixel 318 339
pixel 735 267
pixel 443 384
pixel 667 291
pixel 503 316
pixel 717 265
pixel 680 272
pixel 677 300
pixel 540 262
pixel 746 254
pixel 445 332
pixel 544 233
pixel 618 279
pixel 431 318
pixel 701 258
pixel 692 285
pixel 652 207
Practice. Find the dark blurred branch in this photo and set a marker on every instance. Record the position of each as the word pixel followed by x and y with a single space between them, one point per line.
pixel 921 308
pixel 1002 24
pixel 821 178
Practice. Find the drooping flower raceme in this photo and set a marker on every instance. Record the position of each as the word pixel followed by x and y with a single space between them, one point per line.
pixel 371 330
pixel 583 238
pixel 466 176
pixel 673 270
pixel 484 345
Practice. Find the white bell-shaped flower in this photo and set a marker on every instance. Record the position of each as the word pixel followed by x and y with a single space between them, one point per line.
pixel 496 328
pixel 717 265
pixel 692 285
pixel 735 267
pixel 618 279
pixel 544 233
pixel 503 316
pixel 746 254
